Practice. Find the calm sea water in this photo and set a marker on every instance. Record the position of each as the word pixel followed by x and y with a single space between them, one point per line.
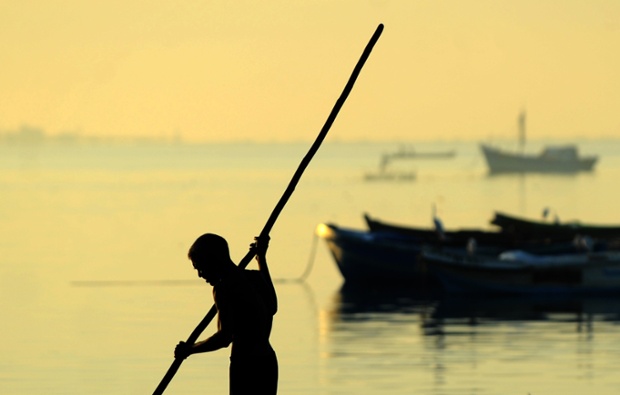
pixel 96 288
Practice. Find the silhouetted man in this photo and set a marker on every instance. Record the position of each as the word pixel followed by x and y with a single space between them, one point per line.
pixel 246 302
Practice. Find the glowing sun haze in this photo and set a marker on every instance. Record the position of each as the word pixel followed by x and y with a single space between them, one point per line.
pixel 272 70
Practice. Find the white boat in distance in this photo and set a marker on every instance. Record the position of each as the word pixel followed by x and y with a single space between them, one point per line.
pixel 553 159
pixel 564 159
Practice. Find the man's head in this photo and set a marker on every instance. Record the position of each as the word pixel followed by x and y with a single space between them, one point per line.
pixel 210 256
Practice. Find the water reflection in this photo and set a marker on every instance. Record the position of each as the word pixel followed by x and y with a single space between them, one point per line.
pixel 352 302
pixel 434 308
pixel 430 342
pixel 523 308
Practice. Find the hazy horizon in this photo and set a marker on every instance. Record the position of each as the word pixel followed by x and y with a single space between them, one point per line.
pixel 31 134
pixel 272 71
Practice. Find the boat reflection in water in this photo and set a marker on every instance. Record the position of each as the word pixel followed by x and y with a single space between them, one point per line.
pixel 436 308
pixel 426 342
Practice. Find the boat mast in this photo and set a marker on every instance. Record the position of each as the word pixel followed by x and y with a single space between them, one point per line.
pixel 522 131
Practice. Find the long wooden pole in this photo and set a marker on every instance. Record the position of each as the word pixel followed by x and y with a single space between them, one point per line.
pixel 176 364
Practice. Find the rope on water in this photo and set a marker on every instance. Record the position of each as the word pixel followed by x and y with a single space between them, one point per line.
pixel 160 283
pixel 309 264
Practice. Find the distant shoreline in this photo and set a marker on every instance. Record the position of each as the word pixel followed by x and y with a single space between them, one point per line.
pixel 29 135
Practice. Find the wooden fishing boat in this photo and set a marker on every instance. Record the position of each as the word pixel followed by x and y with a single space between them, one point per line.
pixel 517 272
pixel 374 258
pixel 552 159
pixel 386 257
pixel 390 175
pixel 405 152
pixel 521 226
pixel 386 173
pixel 490 240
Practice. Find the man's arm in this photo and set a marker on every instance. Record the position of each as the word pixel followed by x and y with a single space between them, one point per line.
pixel 218 340
pixel 215 342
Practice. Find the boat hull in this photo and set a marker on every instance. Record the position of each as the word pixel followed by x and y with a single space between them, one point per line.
pixel 363 257
pixel 500 161
pixel 522 226
pixel 487 242
pixel 580 274
pixel 390 176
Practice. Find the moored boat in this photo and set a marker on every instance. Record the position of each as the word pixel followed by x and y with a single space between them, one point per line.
pixel 374 258
pixel 487 241
pixel 522 226
pixel 405 152
pixel 390 175
pixel 553 159
pixel 388 257
pixel 516 272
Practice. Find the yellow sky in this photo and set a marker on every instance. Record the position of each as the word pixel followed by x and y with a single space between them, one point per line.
pixel 272 70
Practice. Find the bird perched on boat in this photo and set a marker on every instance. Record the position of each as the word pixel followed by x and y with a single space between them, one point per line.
pixel 439 228
pixel 545 214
